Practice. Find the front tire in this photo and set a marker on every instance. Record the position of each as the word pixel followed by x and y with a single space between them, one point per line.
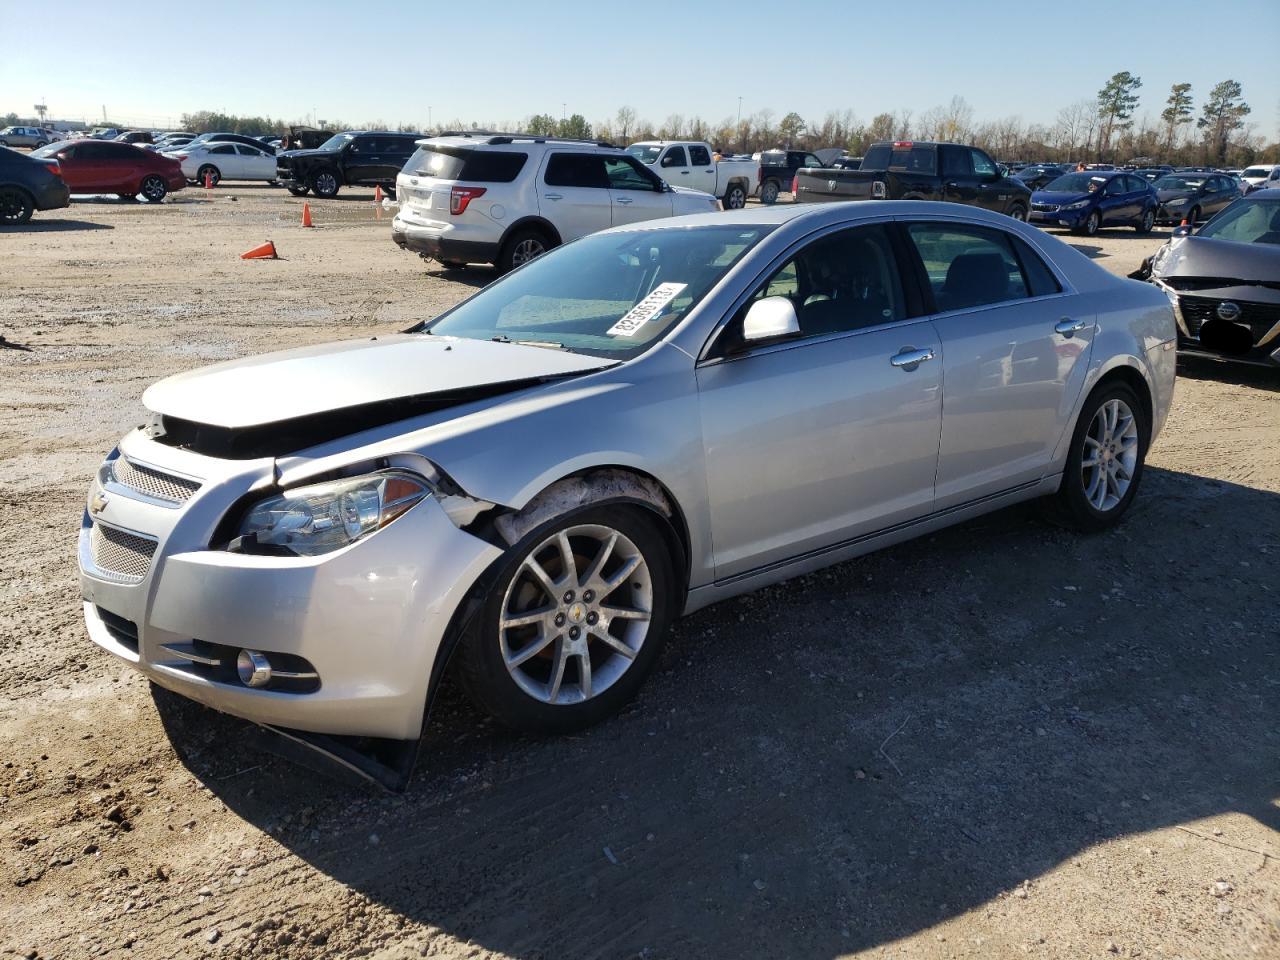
pixel 1193 216
pixel 769 192
pixel 325 184
pixel 573 623
pixel 1092 224
pixel 153 189
pixel 1019 212
pixel 735 198
pixel 1147 222
pixel 16 206
pixel 1105 462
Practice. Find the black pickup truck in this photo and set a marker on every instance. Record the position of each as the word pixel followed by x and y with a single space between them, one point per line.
pixel 355 158
pixel 915 170
pixel 778 168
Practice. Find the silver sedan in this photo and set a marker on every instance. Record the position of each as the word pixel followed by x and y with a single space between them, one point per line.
pixel 532 486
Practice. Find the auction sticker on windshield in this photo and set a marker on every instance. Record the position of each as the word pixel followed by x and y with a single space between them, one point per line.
pixel 650 308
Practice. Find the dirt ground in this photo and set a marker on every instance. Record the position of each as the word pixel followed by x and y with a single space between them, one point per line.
pixel 1001 740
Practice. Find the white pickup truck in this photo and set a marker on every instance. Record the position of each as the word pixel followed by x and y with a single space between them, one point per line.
pixel 685 163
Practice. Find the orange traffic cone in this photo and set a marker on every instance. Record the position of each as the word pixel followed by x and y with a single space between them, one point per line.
pixel 266 251
pixel 306 214
pixel 208 181
pixel 377 193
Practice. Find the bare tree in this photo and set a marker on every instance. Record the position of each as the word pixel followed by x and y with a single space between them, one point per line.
pixel 625 121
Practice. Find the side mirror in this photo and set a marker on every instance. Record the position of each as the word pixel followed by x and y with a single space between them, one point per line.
pixel 769 318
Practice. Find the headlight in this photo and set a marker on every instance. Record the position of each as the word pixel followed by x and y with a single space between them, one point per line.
pixel 1175 203
pixel 325 517
pixel 1078 205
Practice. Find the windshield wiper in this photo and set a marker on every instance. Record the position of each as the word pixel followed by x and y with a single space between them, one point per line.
pixel 549 344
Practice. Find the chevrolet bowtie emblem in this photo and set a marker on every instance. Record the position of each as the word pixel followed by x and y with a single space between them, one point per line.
pixel 98 502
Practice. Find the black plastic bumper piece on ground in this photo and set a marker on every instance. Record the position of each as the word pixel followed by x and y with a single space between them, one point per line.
pixel 357 760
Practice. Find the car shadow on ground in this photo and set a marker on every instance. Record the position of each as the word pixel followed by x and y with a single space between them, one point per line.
pixel 42 224
pixel 840 761
pixel 1226 371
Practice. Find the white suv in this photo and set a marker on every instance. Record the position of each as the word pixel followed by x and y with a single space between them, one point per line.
pixel 506 198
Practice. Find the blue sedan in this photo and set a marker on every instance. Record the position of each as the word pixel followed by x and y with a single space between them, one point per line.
pixel 1085 202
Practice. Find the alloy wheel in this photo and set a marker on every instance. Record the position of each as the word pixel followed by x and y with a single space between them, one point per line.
pixel 527 250
pixel 1110 455
pixel 326 184
pixel 153 189
pixel 576 614
pixel 14 207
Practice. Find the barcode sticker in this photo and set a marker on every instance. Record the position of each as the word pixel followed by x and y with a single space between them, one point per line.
pixel 650 308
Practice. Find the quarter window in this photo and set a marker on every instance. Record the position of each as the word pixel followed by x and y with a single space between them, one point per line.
pixel 968 266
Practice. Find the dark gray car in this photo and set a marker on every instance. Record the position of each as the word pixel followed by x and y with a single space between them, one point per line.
pixel 27 185
pixel 1224 282
pixel 1193 196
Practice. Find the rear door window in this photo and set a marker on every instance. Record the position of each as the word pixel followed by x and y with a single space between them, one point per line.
pixel 968 266
pixel 956 161
pixel 699 156
pixel 576 170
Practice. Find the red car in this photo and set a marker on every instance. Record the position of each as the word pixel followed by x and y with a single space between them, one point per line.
pixel 104 166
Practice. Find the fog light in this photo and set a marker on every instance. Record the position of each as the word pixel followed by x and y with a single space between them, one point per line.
pixel 254 668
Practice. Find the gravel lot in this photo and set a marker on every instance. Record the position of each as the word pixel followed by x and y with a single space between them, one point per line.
pixel 1002 740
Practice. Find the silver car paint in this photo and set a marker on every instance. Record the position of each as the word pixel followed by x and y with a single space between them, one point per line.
pixel 704 449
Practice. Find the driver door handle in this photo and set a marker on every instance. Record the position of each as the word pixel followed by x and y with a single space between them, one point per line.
pixel 910 359
pixel 623 200
pixel 1068 327
pixel 553 196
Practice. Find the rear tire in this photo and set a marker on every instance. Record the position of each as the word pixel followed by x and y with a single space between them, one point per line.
pixel 769 191
pixel 1102 476
pixel 1147 222
pixel 523 693
pixel 735 198
pixel 524 245
pixel 16 206
pixel 153 189
pixel 208 170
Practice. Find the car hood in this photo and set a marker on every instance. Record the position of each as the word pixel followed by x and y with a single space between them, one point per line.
pixel 1166 195
pixel 331 380
pixel 1235 264
pixel 1058 196
pixel 691 192
pixel 303 154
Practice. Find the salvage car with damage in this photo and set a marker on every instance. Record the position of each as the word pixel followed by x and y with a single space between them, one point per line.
pixel 1223 281
pixel 635 425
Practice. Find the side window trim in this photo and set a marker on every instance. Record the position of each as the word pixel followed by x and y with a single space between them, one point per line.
pixel 914 308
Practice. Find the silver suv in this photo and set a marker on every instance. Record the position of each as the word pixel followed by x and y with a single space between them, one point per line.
pixel 24 137
pixel 507 198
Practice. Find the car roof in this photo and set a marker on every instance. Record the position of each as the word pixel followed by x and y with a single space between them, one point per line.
pixel 516 140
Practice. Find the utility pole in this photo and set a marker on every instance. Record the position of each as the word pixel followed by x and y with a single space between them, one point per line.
pixel 564 112
pixel 741 138
pixel 430 123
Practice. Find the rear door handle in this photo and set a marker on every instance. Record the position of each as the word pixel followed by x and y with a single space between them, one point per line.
pixel 553 196
pixel 1068 327
pixel 623 200
pixel 909 359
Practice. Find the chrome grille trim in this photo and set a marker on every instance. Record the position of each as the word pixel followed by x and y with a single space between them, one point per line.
pixel 147 480
pixel 119 554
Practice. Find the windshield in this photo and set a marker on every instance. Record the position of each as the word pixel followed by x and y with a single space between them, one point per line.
pixel 337 141
pixel 645 154
pixel 51 149
pixel 1179 183
pixel 1077 183
pixel 1256 172
pixel 1246 221
pixel 607 295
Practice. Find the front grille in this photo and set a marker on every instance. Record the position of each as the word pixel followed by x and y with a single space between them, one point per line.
pixel 1260 318
pixel 124 632
pixel 152 482
pixel 121 554
pixel 1045 207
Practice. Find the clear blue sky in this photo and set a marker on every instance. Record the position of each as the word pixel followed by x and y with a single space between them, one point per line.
pixel 497 60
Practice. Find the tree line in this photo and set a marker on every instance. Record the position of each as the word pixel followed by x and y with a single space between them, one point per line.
pixel 1104 128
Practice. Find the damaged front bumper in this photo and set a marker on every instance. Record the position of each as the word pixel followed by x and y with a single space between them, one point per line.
pixel 368 621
